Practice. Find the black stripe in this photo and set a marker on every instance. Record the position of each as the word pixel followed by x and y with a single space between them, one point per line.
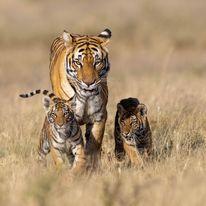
pixel 94 44
pixel 79 98
pixel 59 149
pixel 55 100
pixel 81 44
pixel 94 39
pixel 45 92
pixel 77 141
pixel 77 130
pixel 94 49
pixel 98 110
pixel 63 91
pixel 54 138
pixel 76 115
pixel 51 95
pixel 78 95
pixel 24 95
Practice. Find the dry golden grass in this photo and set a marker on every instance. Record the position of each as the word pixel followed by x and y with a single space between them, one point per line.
pixel 157 53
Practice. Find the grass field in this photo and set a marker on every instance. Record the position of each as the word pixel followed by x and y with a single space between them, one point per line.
pixel 157 54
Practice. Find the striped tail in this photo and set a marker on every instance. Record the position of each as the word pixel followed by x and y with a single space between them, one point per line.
pixel 39 91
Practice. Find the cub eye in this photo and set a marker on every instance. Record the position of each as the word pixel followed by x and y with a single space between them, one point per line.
pixel 53 115
pixel 66 113
pixel 51 119
pixel 70 116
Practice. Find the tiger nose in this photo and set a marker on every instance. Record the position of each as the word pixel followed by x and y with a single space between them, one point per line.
pixel 89 83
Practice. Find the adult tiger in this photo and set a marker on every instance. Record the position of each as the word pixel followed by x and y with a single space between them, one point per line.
pixel 79 66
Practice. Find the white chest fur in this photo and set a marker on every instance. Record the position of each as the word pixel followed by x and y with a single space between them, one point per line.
pixel 88 109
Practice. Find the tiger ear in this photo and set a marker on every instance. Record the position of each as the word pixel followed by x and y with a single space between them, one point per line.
pixel 68 38
pixel 46 102
pixel 105 37
pixel 120 109
pixel 142 109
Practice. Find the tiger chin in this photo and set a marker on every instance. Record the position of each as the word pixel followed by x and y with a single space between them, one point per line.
pixel 132 132
pixel 61 134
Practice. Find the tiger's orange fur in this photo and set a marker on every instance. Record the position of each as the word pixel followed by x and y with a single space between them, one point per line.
pixel 78 71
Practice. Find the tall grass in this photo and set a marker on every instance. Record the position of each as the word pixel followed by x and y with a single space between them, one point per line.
pixel 157 54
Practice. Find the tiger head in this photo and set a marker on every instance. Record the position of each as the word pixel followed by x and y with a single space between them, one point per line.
pixel 59 114
pixel 132 119
pixel 87 61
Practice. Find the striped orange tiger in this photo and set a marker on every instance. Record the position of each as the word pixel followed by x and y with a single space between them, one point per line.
pixel 60 133
pixel 79 65
pixel 132 131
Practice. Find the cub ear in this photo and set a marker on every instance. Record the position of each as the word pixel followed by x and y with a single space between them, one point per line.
pixel 68 38
pixel 46 102
pixel 142 109
pixel 105 37
pixel 120 109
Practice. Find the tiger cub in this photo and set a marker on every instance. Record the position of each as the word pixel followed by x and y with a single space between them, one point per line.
pixel 132 131
pixel 61 134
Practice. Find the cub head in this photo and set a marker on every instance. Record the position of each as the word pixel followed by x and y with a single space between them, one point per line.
pixel 87 61
pixel 132 118
pixel 58 113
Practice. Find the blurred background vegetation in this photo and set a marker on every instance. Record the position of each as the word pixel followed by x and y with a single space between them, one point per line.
pixel 157 53
pixel 145 23
pixel 160 36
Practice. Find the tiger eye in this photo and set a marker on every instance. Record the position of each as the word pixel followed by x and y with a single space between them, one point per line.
pixel 79 57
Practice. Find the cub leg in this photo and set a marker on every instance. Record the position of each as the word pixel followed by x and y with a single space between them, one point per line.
pixel 43 148
pixel 57 158
pixel 133 155
pixel 119 146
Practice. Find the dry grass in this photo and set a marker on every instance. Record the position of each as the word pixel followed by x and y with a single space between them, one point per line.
pixel 157 54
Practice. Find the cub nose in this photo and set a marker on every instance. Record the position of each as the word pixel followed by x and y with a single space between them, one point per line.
pixel 59 125
pixel 125 133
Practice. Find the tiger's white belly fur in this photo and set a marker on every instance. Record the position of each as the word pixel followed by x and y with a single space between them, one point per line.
pixel 88 108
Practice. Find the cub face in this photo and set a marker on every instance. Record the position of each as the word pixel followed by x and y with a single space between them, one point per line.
pixel 132 122
pixel 59 114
